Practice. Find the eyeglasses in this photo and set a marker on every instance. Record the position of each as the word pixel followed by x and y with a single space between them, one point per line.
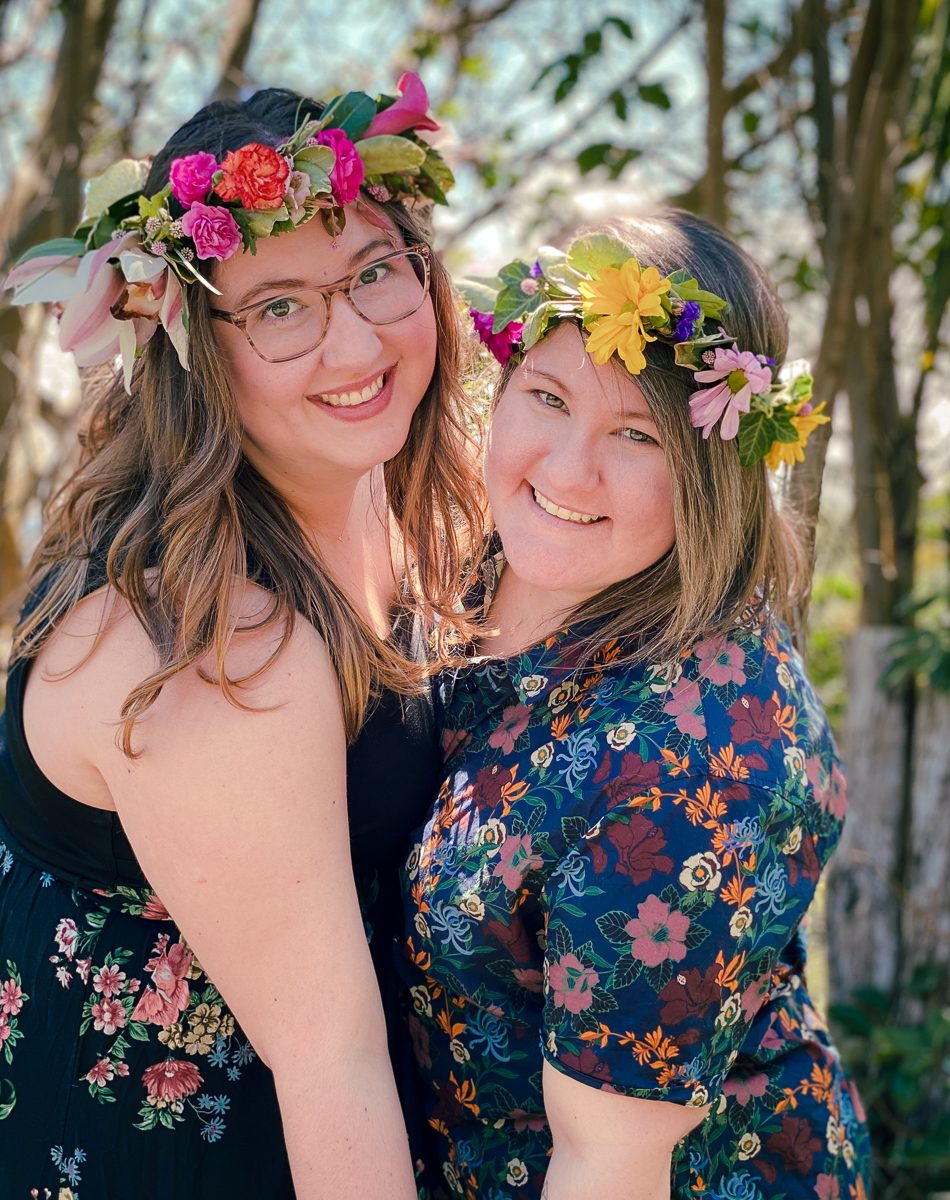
pixel 287 327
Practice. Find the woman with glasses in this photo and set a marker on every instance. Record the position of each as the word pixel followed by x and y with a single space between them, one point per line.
pixel 216 738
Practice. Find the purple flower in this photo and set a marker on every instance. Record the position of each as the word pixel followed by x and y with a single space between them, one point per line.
pixel 500 344
pixel 685 326
pixel 191 176
pixel 213 230
pixel 536 270
pixel 347 173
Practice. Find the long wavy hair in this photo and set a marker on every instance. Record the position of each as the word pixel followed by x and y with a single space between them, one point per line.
pixel 736 550
pixel 165 496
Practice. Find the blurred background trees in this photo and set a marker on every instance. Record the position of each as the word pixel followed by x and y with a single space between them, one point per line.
pixel 816 131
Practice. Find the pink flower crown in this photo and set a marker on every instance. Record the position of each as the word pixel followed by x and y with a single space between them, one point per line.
pixel 123 272
pixel 623 306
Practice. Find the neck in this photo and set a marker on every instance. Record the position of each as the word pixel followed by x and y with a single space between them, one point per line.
pixel 524 614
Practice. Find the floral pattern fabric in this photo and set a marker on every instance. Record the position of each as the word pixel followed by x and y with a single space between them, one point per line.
pixel 112 1028
pixel 614 880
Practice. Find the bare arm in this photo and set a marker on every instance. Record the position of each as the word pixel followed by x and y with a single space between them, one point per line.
pixel 239 822
pixel 608 1146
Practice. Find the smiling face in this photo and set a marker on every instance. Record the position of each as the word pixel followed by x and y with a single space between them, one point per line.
pixel 331 415
pixel 577 479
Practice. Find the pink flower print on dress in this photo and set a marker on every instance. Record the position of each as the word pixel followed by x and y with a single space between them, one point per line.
pixel 108 1016
pixel 658 932
pixel 66 934
pixel 738 375
pixel 572 983
pixel 108 981
pixel 101 1073
pixel 686 706
pixel 515 859
pixel 11 998
pixel 514 721
pixel 721 660
pixel 172 1080
pixel 154 910
pixel 168 997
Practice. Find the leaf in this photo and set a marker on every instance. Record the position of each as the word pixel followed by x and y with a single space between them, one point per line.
pixel 387 154
pixel 593 252
pixel 751 120
pixel 124 178
pixel 619 101
pixel 478 295
pixel 353 113
pixel 593 156
pixel 513 273
pixel 627 971
pixel 317 162
pixel 440 176
pixel 758 430
pixel 57 247
pixel 619 23
pixel 613 925
pixel 7 1106
pixel 655 94
pixel 137 1031
pixel 534 329
pixel 512 305
pixel 573 827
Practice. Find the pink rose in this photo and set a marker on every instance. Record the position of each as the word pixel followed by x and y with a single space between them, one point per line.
pixel 347 173
pixel 191 176
pixel 409 112
pixel 213 230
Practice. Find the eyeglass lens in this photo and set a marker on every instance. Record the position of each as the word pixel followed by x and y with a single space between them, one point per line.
pixel 383 292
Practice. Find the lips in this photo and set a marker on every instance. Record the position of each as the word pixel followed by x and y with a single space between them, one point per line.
pixel 360 393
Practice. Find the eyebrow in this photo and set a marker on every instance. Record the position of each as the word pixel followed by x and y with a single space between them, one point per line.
pixel 643 413
pixel 246 299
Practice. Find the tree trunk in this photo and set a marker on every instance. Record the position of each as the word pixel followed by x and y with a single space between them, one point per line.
pixel 864 895
pixel 244 14
pixel 713 194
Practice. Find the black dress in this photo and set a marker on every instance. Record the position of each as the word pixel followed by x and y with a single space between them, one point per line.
pixel 122 1071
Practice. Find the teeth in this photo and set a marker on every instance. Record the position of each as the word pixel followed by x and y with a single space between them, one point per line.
pixel 350 399
pixel 564 513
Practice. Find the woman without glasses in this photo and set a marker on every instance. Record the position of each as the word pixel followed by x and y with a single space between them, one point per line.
pixel 603 937
pixel 225 584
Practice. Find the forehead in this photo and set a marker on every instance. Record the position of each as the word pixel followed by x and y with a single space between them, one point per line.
pixel 560 359
pixel 308 254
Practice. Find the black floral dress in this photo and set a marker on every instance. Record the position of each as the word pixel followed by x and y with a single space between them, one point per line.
pixel 614 880
pixel 122 1071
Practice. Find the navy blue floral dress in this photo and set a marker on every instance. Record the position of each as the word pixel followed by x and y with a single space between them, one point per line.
pixel 614 880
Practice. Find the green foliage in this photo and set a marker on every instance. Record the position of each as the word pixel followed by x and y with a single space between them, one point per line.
pixel 900 1068
pixel 923 653
pixel 569 67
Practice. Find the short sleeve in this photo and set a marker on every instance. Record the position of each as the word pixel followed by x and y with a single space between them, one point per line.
pixel 666 922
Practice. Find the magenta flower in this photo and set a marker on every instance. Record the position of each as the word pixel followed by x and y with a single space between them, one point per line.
pixel 347 173
pixel 500 344
pixel 738 375
pixel 658 932
pixel 409 112
pixel 191 176
pixel 213 230
pixel 721 661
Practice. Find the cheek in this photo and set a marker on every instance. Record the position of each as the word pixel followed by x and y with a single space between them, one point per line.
pixel 507 454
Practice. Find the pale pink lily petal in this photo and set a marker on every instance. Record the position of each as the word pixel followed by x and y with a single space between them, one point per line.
pixel 409 112
pixel 48 278
pixel 87 327
pixel 170 316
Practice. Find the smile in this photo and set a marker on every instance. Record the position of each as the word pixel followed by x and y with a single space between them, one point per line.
pixel 565 514
pixel 358 396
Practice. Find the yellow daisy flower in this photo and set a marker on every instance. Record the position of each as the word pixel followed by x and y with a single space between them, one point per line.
pixel 794 452
pixel 621 297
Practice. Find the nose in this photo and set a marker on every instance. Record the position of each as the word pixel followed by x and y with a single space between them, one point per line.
pixel 350 341
pixel 573 465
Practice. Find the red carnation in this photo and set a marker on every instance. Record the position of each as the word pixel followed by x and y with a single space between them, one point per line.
pixel 256 175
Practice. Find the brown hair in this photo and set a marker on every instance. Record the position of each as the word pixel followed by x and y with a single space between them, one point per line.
pixel 165 494
pixel 734 549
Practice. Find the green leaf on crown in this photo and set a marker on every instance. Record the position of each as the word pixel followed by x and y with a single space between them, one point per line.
pixel 687 288
pixel 438 175
pixel 57 247
pixel 388 154
pixel 150 206
pixel 758 430
pixel 514 305
pixel 513 273
pixel 353 113
pixel 690 354
pixel 260 222
pixel 594 252
pixel 536 325
pixel 317 162
pixel 123 179
pixel 479 294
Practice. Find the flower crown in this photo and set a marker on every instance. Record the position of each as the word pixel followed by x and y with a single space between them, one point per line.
pixel 622 306
pixel 123 272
